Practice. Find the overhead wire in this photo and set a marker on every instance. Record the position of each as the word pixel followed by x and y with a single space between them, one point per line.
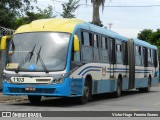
pixel 132 6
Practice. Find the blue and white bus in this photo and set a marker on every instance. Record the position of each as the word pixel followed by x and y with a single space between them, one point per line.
pixel 72 58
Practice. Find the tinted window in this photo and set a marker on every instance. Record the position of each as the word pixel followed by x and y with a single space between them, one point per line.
pixel 95 41
pixel 86 39
pixel 104 43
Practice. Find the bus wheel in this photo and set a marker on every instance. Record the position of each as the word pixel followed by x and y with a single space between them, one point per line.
pixel 118 91
pixel 146 89
pixel 87 93
pixel 34 99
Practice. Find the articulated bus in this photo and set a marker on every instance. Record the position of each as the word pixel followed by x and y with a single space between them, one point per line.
pixel 72 58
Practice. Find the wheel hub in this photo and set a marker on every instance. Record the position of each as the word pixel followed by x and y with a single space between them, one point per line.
pixel 86 91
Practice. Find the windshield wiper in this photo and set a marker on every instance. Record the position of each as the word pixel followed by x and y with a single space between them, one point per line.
pixel 39 58
pixel 29 56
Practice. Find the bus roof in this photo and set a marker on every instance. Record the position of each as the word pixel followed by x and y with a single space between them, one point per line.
pixel 65 25
pixel 106 32
pixel 143 43
pixel 54 24
pixel 70 25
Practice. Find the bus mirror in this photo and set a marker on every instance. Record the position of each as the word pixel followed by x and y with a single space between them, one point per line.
pixel 76 44
pixel 4 42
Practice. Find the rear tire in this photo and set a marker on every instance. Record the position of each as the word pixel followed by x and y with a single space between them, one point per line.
pixel 118 91
pixel 34 99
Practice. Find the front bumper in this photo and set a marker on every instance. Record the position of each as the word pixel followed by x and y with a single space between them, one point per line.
pixel 62 89
pixel 69 88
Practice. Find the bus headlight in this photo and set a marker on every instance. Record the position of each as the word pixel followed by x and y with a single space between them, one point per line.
pixel 6 79
pixel 57 81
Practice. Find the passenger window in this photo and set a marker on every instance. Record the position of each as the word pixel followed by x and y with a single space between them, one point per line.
pixel 104 44
pixel 118 48
pixel 112 54
pixel 139 57
pixel 139 50
pixel 90 39
pixel 155 58
pixel 125 53
pixel 119 54
pixel 145 57
pixel 87 47
pixel 150 58
pixel 85 39
pixel 104 50
pixel 96 41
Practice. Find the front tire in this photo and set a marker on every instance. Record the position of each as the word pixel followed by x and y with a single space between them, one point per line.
pixel 34 99
pixel 87 93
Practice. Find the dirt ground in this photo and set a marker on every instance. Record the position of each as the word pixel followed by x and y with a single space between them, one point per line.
pixel 6 98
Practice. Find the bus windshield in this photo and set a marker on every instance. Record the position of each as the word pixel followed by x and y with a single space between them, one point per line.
pixel 38 51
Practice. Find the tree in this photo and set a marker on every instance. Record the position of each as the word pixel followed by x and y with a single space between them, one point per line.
pixel 152 37
pixel 69 8
pixel 10 9
pixel 145 34
pixel 96 17
pixel 46 13
pixel 155 38
pixel 30 16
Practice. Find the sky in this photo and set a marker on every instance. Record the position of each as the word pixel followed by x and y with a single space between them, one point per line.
pixel 127 21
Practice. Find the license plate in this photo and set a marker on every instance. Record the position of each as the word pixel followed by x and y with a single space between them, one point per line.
pixel 17 79
pixel 30 89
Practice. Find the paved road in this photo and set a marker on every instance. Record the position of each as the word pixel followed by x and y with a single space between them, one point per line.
pixel 130 101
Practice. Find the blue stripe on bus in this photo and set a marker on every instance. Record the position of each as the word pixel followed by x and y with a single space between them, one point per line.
pixel 116 70
pixel 87 68
pixel 127 69
pixel 95 70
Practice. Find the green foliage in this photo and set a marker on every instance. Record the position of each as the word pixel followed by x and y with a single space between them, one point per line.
pixel 69 8
pixel 151 37
pixel 30 16
pixel 10 9
pixel 46 13
pixel 155 38
pixel 145 34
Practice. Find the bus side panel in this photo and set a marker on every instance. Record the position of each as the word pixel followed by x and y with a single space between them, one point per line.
pixel 125 83
pixel 141 82
pixel 77 87
pixel 155 81
pixel 103 86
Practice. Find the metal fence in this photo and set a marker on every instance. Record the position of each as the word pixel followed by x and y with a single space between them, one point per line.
pixel 3 32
